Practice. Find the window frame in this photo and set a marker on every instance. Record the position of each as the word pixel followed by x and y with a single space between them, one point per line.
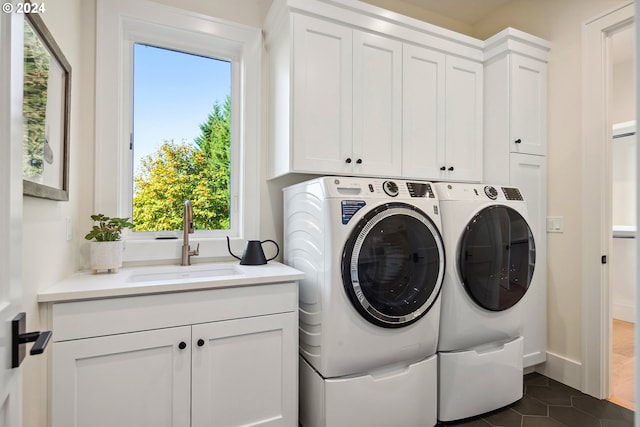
pixel 120 24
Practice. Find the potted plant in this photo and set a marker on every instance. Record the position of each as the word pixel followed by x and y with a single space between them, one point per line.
pixel 105 248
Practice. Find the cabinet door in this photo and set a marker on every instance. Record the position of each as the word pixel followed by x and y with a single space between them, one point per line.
pixel 528 105
pixel 128 380
pixel 322 96
pixel 377 105
pixel 463 117
pixel 423 108
pixel 529 173
pixel 245 372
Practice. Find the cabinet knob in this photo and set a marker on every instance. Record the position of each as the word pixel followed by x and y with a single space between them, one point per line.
pixel 348 160
pixel 451 168
pixel 443 168
pixel 182 345
pixel 518 141
pixel 200 342
pixel 359 161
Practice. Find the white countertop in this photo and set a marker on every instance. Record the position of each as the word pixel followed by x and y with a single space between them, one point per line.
pixel 167 278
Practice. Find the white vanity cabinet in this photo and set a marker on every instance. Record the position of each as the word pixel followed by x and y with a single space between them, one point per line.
pixel 223 357
pixel 442 116
pixel 515 139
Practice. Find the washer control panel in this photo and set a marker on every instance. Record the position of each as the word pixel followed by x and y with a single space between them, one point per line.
pixel 390 188
pixel 491 192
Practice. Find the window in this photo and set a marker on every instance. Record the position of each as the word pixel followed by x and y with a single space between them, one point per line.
pixel 181 139
pixel 128 30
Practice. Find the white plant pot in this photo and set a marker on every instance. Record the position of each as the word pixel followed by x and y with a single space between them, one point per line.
pixel 105 256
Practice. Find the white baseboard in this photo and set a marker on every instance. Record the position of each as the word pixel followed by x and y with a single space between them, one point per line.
pixel 562 369
pixel 622 311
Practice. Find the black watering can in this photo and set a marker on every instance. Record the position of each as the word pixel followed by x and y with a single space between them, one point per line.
pixel 253 253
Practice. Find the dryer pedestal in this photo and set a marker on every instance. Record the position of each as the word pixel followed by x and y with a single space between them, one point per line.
pixel 397 397
pixel 479 380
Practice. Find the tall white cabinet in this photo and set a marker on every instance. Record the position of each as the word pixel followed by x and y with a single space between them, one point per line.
pixel 515 140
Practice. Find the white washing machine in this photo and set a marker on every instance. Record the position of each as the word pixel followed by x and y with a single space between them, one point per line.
pixel 491 260
pixel 369 304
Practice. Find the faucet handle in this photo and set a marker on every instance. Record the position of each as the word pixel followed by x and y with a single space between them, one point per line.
pixel 196 251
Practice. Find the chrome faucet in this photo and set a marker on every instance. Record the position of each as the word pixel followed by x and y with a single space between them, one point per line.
pixel 187 226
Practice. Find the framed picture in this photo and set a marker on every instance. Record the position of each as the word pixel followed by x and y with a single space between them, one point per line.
pixel 46 97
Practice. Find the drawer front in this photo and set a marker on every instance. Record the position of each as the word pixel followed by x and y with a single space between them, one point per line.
pixel 84 319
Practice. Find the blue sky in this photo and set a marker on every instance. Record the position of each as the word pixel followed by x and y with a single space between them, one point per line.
pixel 173 94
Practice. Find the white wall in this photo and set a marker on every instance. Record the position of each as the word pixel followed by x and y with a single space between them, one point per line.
pixel 48 257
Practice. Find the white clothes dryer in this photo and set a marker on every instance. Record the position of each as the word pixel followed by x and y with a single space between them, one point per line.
pixel 374 261
pixel 490 264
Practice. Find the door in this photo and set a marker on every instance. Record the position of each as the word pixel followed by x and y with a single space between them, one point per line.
pixel 528 127
pixel 322 96
pixel 423 101
pixel 377 105
pixel 393 265
pixel 463 120
pixel 126 380
pixel 11 39
pixel 245 372
pixel 529 174
pixel 497 257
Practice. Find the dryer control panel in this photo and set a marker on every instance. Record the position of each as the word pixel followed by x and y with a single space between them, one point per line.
pixel 511 193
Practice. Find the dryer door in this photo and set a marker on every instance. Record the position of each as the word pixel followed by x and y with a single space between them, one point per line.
pixel 497 257
pixel 393 265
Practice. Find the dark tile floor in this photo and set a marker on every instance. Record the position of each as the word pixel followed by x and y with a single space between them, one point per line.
pixel 548 403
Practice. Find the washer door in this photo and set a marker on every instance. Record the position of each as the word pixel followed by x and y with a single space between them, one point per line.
pixel 497 257
pixel 393 265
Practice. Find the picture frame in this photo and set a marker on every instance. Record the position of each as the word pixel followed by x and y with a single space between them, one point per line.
pixel 46 113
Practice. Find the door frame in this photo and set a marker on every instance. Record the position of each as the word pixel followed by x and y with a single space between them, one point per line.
pixel 11 84
pixel 596 202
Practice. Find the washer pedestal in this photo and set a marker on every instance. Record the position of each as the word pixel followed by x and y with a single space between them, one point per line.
pixel 479 380
pixel 399 397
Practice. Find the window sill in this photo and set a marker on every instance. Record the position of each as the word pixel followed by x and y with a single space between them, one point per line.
pixel 151 251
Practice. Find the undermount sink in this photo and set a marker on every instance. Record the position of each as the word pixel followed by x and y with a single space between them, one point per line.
pixel 182 273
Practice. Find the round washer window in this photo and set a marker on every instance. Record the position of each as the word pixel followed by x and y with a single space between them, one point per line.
pixel 497 257
pixel 393 265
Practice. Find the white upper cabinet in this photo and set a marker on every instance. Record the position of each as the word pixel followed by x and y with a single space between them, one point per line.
pixel 515 105
pixel 423 97
pixel 356 92
pixel 442 116
pixel 322 98
pixel 347 100
pixel 528 105
pixel 377 105
pixel 463 117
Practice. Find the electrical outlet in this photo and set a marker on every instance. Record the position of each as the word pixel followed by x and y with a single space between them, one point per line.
pixel 555 224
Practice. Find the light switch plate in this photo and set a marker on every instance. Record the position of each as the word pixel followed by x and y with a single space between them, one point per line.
pixel 555 224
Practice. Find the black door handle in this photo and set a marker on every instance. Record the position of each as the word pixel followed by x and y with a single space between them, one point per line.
pixel 20 338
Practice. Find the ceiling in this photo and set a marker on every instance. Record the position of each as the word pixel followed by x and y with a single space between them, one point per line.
pixel 466 11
